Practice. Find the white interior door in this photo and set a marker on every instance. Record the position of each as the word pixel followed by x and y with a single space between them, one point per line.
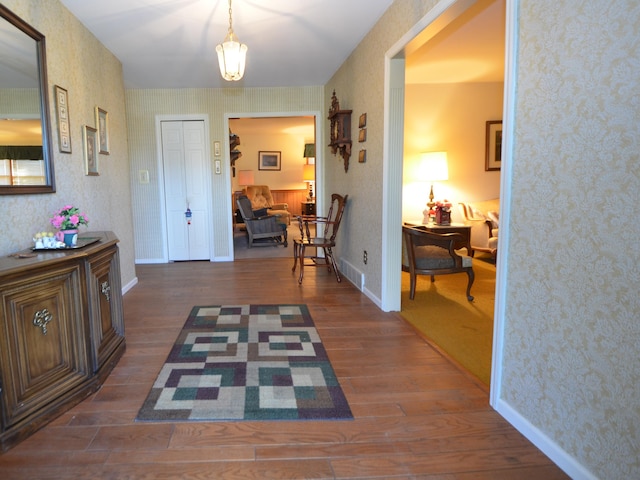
pixel 184 160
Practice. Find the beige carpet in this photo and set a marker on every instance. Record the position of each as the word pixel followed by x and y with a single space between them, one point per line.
pixel 462 329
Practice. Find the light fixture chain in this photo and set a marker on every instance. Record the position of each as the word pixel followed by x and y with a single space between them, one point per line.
pixel 230 28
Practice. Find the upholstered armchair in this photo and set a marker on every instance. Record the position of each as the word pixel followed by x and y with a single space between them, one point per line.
pixel 484 228
pixel 262 230
pixel 428 253
pixel 260 197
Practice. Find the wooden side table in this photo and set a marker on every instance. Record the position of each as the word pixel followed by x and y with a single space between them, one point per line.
pixel 461 228
pixel 308 208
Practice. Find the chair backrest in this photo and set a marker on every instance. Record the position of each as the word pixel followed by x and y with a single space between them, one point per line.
pixel 338 204
pixel 259 196
pixel 244 205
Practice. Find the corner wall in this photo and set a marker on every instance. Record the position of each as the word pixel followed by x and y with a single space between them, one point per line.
pixel 571 332
pixel 78 62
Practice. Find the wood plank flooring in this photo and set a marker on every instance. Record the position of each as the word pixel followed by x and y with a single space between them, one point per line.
pixel 417 416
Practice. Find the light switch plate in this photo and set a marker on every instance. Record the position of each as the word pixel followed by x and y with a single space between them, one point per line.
pixel 143 176
pixel 218 167
pixel 216 149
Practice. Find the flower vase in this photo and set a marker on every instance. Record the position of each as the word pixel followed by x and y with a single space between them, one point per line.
pixel 69 237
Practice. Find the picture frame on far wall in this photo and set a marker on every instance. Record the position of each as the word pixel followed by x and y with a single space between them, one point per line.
pixel 269 160
pixel 493 154
pixel 62 115
pixel 102 125
pixel 90 141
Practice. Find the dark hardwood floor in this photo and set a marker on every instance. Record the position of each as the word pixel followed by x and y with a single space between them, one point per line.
pixel 417 416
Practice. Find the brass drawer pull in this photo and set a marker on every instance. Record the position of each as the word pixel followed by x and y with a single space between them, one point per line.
pixel 41 319
pixel 106 290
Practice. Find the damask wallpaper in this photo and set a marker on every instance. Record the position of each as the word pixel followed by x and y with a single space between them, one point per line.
pixel 570 365
pixel 92 76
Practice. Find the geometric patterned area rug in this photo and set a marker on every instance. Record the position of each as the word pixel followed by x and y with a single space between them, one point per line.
pixel 246 362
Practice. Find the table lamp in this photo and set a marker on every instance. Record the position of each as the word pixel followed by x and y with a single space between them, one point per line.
pixel 309 176
pixel 245 177
pixel 434 169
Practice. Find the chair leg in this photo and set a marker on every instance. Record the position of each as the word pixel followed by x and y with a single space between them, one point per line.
pixel 295 256
pixel 471 279
pixel 412 288
pixel 301 258
pixel 329 253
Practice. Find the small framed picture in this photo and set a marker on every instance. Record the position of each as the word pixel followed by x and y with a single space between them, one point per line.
pixel 90 140
pixel 362 136
pixel 102 124
pixel 269 160
pixel 362 122
pixel 362 156
pixel 493 155
pixel 62 114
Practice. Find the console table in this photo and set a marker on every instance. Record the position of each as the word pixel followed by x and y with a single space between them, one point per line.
pixel 461 228
pixel 61 331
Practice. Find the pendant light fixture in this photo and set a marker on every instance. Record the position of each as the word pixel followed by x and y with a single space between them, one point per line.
pixel 231 55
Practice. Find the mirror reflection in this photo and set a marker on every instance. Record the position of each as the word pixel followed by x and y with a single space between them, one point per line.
pixel 25 157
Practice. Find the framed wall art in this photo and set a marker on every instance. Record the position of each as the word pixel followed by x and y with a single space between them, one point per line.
pixel 90 140
pixel 493 155
pixel 62 114
pixel 269 161
pixel 102 124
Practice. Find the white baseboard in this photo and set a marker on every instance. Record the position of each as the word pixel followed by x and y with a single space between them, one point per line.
pixel 129 285
pixel 145 261
pixel 551 449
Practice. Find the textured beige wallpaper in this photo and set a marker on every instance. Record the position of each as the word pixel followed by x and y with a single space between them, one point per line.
pixel 571 362
pixel 142 108
pixel 92 76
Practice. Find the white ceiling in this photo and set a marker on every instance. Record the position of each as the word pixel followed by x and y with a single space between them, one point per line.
pixel 171 43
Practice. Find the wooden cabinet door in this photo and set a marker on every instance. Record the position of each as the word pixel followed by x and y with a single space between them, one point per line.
pixel 105 305
pixel 43 340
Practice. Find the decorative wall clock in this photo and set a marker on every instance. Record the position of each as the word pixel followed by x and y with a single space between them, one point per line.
pixel 340 130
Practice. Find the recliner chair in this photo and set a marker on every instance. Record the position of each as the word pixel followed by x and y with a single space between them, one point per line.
pixel 260 197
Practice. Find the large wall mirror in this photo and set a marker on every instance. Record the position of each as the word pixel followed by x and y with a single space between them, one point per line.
pixel 26 161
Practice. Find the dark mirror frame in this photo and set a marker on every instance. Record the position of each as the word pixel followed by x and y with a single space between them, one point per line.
pixel 47 152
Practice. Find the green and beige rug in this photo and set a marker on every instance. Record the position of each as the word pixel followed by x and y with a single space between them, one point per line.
pixel 246 362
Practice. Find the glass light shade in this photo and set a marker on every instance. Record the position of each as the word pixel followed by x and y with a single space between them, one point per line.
pixel 309 173
pixel 232 57
pixel 434 167
pixel 245 177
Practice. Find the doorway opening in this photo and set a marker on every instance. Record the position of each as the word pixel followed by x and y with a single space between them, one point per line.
pixel 443 14
pixel 272 151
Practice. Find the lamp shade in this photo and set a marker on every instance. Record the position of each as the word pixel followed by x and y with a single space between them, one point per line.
pixel 309 150
pixel 245 177
pixel 309 173
pixel 434 166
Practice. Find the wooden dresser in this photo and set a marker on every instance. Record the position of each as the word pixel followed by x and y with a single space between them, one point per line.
pixel 61 331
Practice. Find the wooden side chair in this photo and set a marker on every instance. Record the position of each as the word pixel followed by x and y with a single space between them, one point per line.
pixel 427 253
pixel 319 233
pixel 262 230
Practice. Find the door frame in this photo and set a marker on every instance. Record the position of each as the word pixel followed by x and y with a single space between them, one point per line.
pixel 319 193
pixel 436 19
pixel 161 191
